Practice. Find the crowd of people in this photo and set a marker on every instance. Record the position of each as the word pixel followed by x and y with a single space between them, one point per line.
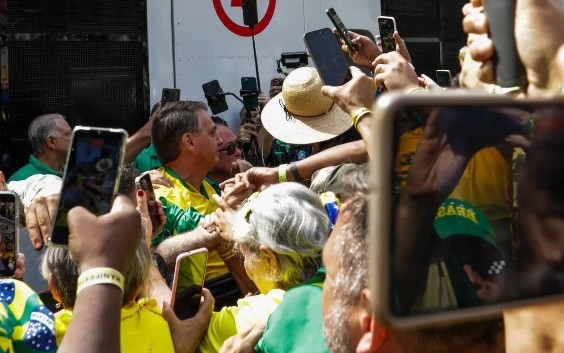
pixel 283 207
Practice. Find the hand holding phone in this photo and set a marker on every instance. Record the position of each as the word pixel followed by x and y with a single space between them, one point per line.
pixel 249 92
pixel 189 277
pixel 343 31
pixel 93 168
pixel 327 57
pixel 9 232
pixel 387 27
pixel 144 183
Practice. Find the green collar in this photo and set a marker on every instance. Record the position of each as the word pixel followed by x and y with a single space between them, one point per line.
pixel 42 167
pixel 185 184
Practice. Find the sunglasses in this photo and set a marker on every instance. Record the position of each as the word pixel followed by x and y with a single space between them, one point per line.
pixel 230 148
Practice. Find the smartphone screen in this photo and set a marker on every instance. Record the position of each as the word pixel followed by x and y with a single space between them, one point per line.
pixel 387 27
pixel 343 32
pixel 480 250
pixel 249 92
pixel 215 97
pixel 189 275
pixel 91 175
pixel 144 183
pixel 170 95
pixel 8 233
pixel 327 56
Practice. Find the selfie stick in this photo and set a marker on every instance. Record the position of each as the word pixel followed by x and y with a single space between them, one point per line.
pixel 250 18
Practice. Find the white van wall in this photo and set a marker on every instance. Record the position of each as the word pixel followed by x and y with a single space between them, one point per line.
pixel 205 49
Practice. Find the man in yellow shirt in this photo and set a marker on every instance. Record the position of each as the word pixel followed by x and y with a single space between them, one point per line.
pixel 186 141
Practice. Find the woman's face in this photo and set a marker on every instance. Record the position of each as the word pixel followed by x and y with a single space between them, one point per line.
pixel 258 270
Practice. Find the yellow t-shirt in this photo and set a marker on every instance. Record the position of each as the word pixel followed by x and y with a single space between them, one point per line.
pixel 485 182
pixel 142 329
pixel 234 319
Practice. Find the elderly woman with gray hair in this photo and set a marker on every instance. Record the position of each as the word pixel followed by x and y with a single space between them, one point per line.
pixel 280 234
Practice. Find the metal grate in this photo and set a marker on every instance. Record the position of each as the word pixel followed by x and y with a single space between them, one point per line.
pixel 76 16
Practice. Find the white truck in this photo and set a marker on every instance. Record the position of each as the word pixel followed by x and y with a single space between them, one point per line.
pixel 192 42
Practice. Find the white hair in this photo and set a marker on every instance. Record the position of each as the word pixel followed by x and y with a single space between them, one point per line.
pixel 290 220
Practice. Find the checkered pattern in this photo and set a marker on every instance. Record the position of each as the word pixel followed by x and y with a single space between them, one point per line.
pixel 496 267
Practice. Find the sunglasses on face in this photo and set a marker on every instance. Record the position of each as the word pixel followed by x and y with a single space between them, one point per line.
pixel 230 148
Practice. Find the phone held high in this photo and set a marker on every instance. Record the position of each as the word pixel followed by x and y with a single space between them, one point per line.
pixel 92 174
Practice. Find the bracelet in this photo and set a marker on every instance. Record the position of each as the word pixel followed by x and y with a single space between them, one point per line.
pixel 359 114
pixel 228 255
pixel 282 177
pixel 100 275
pixel 294 170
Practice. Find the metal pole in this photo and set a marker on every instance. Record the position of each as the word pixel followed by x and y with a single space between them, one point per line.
pixel 255 55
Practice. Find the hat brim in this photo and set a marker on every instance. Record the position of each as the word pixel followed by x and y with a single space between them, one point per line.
pixel 303 130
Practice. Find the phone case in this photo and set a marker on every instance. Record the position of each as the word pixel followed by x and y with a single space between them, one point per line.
pixel 387 27
pixel 192 297
pixel 9 219
pixel 380 223
pixel 59 228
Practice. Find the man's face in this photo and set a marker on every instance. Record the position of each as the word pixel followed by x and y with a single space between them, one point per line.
pixel 62 140
pixel 340 333
pixel 207 141
pixel 228 145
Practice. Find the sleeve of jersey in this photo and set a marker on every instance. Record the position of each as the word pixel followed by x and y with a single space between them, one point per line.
pixel 178 220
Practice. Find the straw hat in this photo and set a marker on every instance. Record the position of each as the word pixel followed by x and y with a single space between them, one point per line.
pixel 300 114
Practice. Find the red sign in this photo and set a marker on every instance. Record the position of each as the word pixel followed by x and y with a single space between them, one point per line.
pixel 243 31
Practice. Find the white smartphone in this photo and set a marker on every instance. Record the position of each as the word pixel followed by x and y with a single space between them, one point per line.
pixel 92 174
pixel 189 276
pixel 465 262
pixel 387 27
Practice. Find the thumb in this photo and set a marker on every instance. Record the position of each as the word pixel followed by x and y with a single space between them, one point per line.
pixel 328 91
pixel 168 314
pixel 142 202
pixel 355 71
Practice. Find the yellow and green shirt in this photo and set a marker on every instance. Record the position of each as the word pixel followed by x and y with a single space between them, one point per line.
pixel 142 328
pixel 26 325
pixel 184 207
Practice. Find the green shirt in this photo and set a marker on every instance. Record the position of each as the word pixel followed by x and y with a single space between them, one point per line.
pixel 214 184
pixel 35 166
pixel 147 159
pixel 297 324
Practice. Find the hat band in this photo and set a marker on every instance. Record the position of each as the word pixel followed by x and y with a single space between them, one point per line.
pixel 290 115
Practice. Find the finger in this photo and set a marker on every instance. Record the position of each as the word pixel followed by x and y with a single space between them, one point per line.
pixel 169 315
pixel 381 59
pixel 33 228
pixel 43 220
pixel 142 206
pixel 221 203
pixel 235 168
pixel 486 72
pixel 475 22
pixel 254 335
pixel 20 266
pixel 379 79
pixel 208 301
pixel 481 49
pixel 329 91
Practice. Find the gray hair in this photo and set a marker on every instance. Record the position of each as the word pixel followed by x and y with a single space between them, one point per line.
pixel 40 128
pixel 290 220
pixel 58 263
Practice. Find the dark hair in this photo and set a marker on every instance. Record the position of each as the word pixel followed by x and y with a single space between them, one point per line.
pixel 127 179
pixel 174 120
pixel 40 128
pixel 219 121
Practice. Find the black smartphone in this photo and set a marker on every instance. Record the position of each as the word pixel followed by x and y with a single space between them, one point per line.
pixel 249 92
pixel 144 183
pixel 469 259
pixel 9 232
pixel 189 277
pixel 215 97
pixel 443 78
pixel 509 70
pixel 92 173
pixel 343 31
pixel 387 27
pixel 327 57
pixel 170 95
